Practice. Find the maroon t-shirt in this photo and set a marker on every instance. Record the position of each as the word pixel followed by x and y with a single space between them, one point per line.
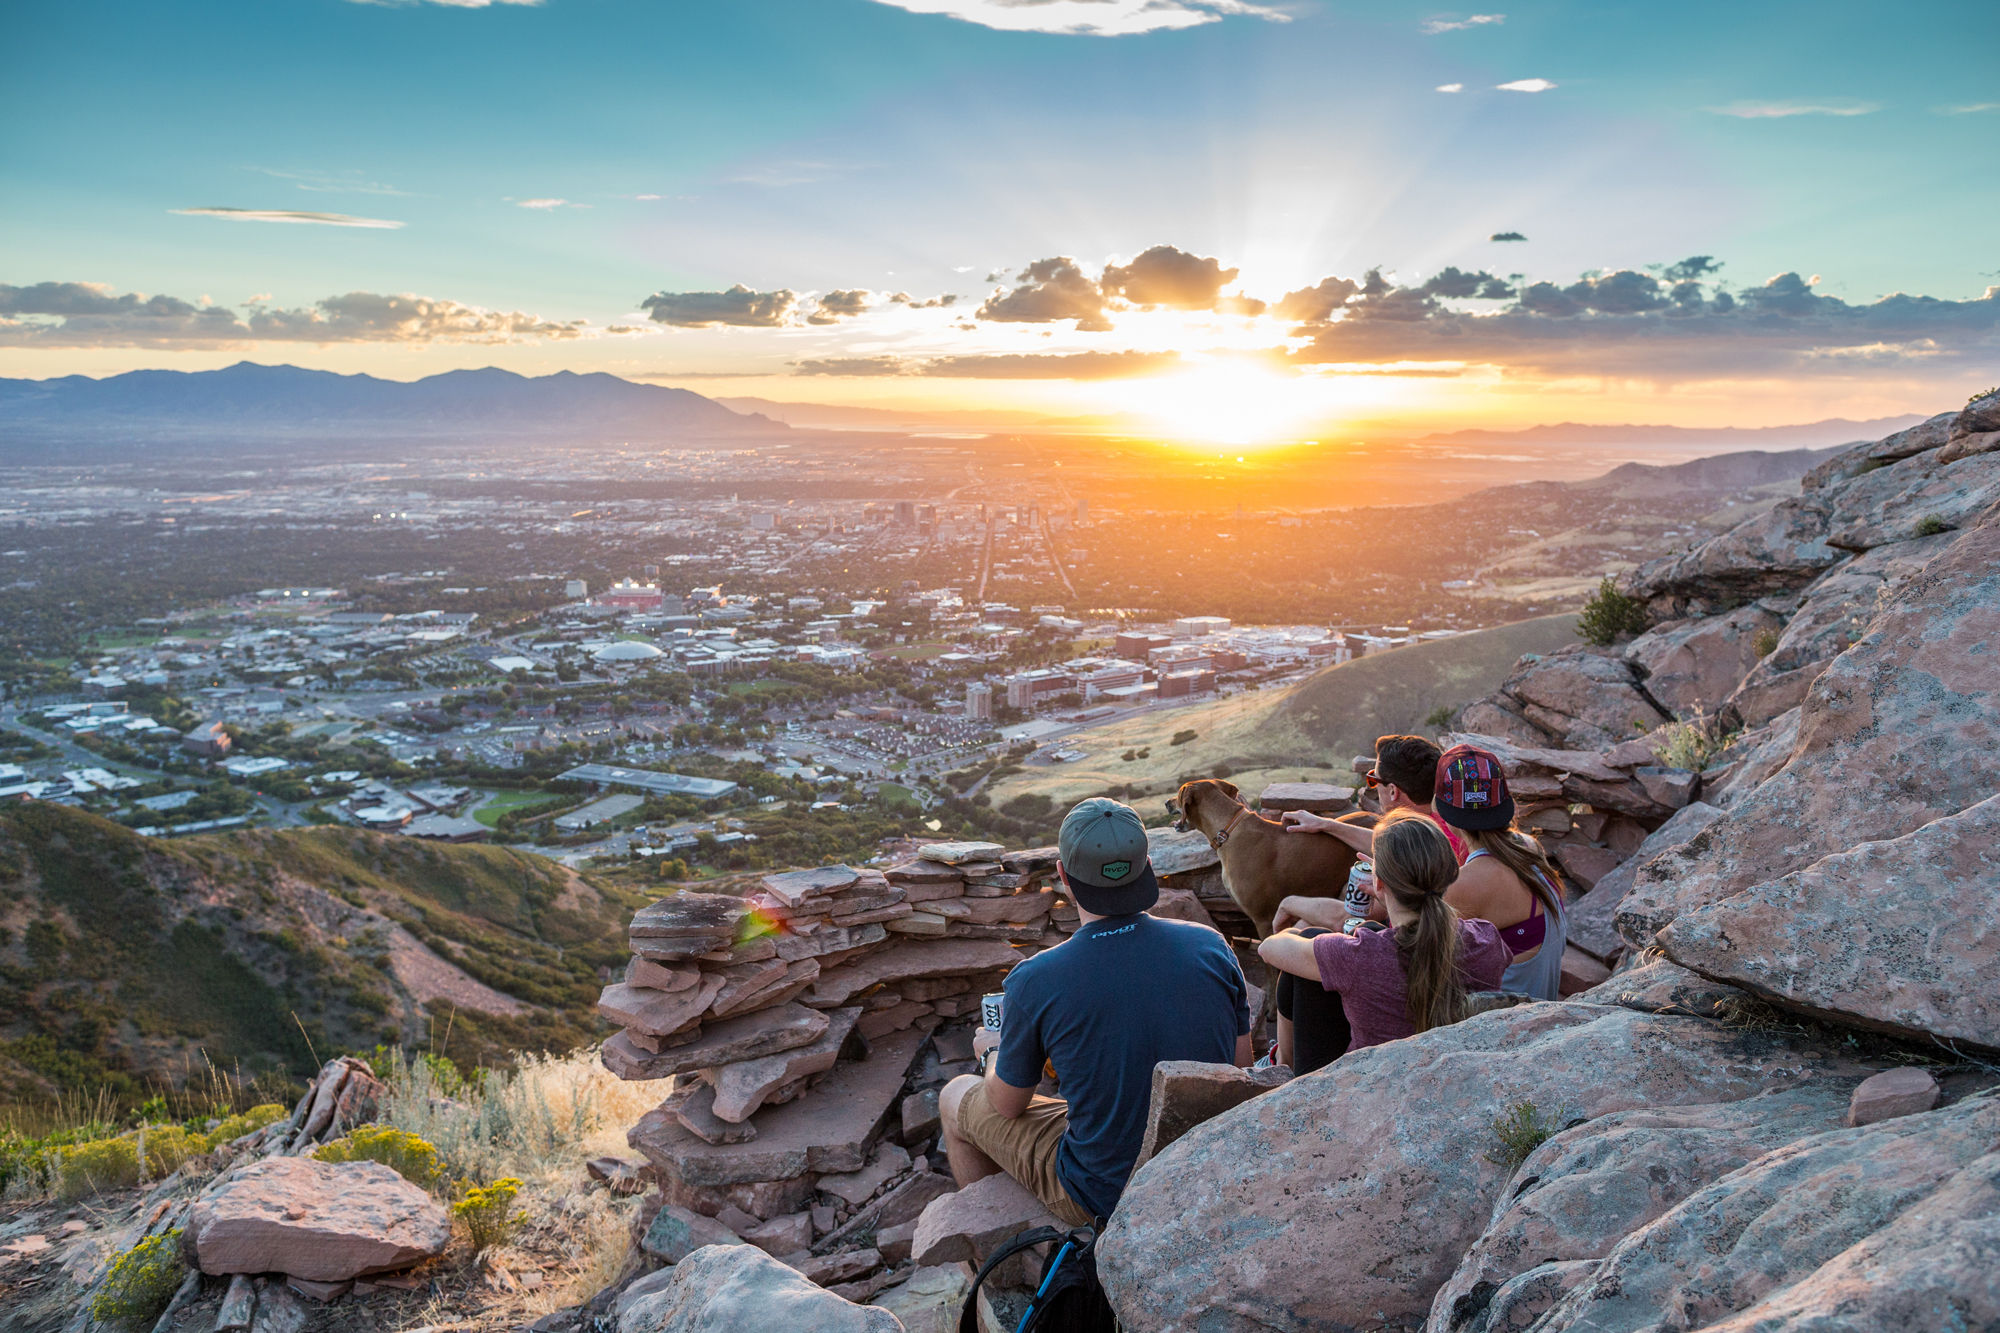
pixel 1365 969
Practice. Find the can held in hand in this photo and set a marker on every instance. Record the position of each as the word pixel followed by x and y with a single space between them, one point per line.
pixel 1359 900
pixel 990 1007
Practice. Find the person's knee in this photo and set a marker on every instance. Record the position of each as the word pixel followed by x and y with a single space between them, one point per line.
pixel 952 1098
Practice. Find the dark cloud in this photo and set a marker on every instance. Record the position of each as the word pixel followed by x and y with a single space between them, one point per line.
pixel 1050 290
pixel 1316 304
pixel 75 314
pixel 838 305
pixel 1459 285
pixel 934 303
pixel 739 307
pixel 999 366
pixel 1166 276
pixel 1506 236
pixel 1692 269
pixel 1627 322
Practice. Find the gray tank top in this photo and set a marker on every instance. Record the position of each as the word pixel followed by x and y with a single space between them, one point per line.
pixel 1540 976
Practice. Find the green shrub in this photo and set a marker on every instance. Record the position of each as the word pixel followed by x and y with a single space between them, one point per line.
pixel 1930 525
pixel 1440 717
pixel 488 1213
pixel 407 1155
pixel 167 1146
pixel 140 1282
pixel 1610 613
pixel 1183 737
pixel 1766 642
pixel 96 1166
pixel 1521 1129
pixel 245 1122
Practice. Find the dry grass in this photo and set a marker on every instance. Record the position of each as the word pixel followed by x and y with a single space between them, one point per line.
pixel 537 1122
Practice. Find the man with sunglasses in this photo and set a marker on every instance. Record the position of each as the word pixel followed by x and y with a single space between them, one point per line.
pixel 1404 778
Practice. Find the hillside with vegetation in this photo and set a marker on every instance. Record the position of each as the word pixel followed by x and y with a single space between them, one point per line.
pixel 1310 731
pixel 127 962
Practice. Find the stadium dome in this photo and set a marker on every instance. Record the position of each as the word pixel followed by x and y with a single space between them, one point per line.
pixel 627 651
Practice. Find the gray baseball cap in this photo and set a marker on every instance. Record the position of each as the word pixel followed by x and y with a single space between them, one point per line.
pixel 1103 852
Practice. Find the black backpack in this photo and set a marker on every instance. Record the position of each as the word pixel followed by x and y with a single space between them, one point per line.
pixel 1069 1300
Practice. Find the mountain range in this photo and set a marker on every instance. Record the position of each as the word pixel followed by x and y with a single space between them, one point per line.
pixel 248 403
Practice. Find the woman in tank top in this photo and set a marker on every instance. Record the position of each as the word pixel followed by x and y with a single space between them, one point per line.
pixel 1507 878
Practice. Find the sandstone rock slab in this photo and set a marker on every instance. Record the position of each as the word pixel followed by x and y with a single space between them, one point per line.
pixel 657 1013
pixel 928 1301
pixel 1187 1093
pixel 1691 666
pixel 1898 935
pixel 900 1206
pixel 792 887
pixel 1322 798
pixel 675 1233
pixel 1892 1093
pixel 746 1037
pixel 1591 926
pixel 1894 1227
pixel 1178 853
pixel 742 1087
pixel 1319 1185
pixel 831 1127
pixel 324 1221
pixel 858 1187
pixel 908 961
pixel 1920 693
pixel 734 1288
pixel 970 1224
pixel 958 853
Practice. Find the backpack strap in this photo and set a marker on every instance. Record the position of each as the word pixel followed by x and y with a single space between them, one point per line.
pixel 968 1317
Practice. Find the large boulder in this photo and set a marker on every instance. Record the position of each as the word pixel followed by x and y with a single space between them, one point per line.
pixel 1592 926
pixel 731 1288
pixel 1862 458
pixel 1750 760
pixel 1895 1227
pixel 1691 666
pixel 1901 729
pixel 323 1221
pixel 1904 500
pixel 1898 935
pixel 1347 1197
pixel 1585 1189
pixel 1575 699
pixel 1778 551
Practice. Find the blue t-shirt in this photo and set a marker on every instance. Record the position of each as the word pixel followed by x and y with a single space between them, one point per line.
pixel 1104 1007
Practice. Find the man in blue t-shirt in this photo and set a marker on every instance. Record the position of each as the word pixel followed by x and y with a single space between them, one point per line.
pixel 1124 993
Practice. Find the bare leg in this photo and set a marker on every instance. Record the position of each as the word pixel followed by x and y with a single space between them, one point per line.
pixel 967 1162
pixel 1284 1040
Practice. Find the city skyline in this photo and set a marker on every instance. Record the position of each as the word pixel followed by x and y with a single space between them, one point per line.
pixel 1223 219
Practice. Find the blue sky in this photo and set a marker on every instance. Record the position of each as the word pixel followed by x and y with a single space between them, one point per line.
pixel 551 166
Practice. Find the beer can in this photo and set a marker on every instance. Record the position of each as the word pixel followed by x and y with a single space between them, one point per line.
pixel 990 1007
pixel 1357 895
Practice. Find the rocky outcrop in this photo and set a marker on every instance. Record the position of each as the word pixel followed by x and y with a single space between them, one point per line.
pixel 1592 924
pixel 1895 1227
pixel 323 1221
pixel 1901 729
pixel 1899 935
pixel 1687 664
pixel 1298 1209
pixel 1574 699
pixel 730 1288
pixel 1777 552
pixel 1584 1190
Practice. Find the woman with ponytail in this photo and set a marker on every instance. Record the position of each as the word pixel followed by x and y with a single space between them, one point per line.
pixel 1415 975
pixel 1508 879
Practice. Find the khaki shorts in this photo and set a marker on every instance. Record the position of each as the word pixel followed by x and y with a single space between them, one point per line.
pixel 1024 1148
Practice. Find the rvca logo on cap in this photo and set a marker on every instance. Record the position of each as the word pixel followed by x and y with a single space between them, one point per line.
pixel 1115 869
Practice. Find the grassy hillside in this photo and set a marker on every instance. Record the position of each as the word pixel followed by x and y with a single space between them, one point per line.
pixel 1311 731
pixel 125 960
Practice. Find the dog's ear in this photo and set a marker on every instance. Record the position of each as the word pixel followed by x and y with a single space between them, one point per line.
pixel 1228 787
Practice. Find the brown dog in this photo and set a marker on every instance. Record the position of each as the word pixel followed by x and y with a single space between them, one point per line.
pixel 1262 862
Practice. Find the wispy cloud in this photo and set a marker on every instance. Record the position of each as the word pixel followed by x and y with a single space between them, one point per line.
pixel 1525 86
pixel 288 215
pixel 1969 109
pixel 1091 18
pixel 1784 110
pixel 1451 87
pixel 1434 26
pixel 545 205
pixel 330 182
pixel 89 314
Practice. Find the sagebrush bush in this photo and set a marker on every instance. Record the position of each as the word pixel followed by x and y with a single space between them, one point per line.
pixel 236 1126
pixel 167 1146
pixel 488 1213
pixel 96 1166
pixel 1521 1129
pixel 402 1152
pixel 140 1282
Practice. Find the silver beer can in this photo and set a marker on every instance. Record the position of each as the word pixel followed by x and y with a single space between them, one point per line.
pixel 990 1007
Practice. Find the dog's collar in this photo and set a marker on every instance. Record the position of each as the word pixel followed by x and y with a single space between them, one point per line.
pixel 1223 836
